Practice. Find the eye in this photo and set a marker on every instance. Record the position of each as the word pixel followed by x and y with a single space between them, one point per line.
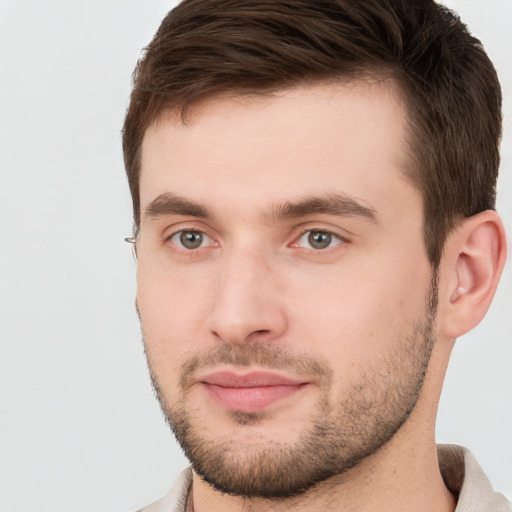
pixel 190 239
pixel 318 240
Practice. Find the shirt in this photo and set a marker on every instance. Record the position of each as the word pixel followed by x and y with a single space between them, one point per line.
pixel 460 470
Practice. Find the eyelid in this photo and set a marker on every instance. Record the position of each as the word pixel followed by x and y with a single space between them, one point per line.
pixel 342 235
pixel 172 229
pixel 330 231
pixel 176 229
pixel 335 241
pixel 169 232
pixel 206 241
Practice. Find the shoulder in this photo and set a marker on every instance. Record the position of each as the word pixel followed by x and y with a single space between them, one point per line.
pixel 465 478
pixel 176 499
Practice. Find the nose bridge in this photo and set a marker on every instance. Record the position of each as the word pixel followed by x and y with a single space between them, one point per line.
pixel 246 304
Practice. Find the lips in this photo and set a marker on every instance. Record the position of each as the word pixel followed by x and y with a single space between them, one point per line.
pixel 251 392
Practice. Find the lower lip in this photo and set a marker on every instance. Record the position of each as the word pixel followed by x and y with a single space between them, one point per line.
pixel 253 399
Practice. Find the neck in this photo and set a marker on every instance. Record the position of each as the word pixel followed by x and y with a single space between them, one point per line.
pixel 385 482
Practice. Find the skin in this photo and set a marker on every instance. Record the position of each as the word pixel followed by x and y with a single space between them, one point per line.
pixel 256 280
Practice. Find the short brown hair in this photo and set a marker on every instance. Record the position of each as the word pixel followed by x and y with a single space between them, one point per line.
pixel 205 48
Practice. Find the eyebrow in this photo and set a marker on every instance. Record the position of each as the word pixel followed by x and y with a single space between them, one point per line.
pixel 332 204
pixel 171 204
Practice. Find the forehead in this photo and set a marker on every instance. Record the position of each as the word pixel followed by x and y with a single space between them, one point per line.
pixel 248 150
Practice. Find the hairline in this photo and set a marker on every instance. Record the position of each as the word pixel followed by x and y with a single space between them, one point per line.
pixel 183 111
pixel 390 77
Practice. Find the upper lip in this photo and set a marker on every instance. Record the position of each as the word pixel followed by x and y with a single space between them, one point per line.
pixel 229 379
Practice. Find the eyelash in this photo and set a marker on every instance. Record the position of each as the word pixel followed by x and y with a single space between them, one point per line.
pixel 190 231
pixel 338 239
pixel 334 236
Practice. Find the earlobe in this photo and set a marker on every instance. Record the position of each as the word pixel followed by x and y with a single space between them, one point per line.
pixel 473 260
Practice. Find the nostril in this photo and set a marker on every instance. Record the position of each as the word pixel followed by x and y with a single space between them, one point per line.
pixel 259 335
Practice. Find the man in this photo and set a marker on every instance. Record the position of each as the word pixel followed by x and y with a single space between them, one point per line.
pixel 313 187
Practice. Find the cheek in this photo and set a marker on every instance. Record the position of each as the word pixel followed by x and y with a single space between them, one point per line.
pixel 347 313
pixel 360 310
pixel 172 311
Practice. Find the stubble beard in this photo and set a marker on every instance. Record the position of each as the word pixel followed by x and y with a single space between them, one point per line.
pixel 335 437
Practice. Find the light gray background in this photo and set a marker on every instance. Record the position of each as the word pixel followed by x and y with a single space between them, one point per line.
pixel 80 429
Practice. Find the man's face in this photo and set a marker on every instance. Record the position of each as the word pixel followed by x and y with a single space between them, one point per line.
pixel 284 291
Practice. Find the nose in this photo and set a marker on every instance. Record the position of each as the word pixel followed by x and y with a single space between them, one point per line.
pixel 247 304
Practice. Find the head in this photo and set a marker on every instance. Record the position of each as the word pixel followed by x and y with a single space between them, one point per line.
pixel 296 169
pixel 447 82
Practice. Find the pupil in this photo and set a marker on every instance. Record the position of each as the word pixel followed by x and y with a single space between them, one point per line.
pixel 319 239
pixel 191 239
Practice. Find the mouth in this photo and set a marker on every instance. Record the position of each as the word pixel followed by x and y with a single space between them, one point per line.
pixel 250 392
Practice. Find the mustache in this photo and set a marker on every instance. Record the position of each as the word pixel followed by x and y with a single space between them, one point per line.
pixel 272 357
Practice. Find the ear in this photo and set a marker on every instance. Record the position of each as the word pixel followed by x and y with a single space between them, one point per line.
pixel 473 259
